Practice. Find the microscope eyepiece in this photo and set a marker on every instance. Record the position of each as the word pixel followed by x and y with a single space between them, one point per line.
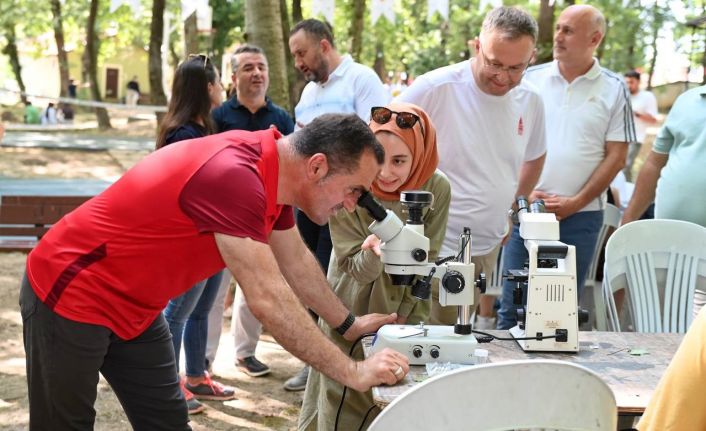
pixel 537 206
pixel 376 211
pixel 415 201
pixel 522 204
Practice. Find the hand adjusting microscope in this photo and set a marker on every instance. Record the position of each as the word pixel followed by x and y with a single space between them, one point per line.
pixel 405 252
pixel 550 320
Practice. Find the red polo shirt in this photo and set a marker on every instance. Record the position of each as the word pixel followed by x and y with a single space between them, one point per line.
pixel 116 260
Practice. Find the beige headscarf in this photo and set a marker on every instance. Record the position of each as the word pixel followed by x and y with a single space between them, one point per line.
pixel 425 158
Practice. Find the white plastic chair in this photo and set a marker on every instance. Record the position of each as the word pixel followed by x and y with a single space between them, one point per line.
pixel 660 263
pixel 611 220
pixel 508 395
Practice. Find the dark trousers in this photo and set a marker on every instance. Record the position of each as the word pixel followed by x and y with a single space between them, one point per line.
pixel 64 358
pixel 318 239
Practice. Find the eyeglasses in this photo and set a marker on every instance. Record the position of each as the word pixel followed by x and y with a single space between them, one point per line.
pixel 204 58
pixel 497 69
pixel 404 120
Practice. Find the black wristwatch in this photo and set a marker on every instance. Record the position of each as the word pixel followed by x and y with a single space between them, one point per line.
pixel 346 324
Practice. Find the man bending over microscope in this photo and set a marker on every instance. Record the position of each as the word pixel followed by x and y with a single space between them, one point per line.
pixel 96 283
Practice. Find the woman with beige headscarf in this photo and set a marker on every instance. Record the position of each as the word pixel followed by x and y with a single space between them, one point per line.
pixel 355 271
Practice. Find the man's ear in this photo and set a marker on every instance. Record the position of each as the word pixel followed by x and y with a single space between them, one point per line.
pixel 317 167
pixel 325 46
pixel 474 44
pixel 596 38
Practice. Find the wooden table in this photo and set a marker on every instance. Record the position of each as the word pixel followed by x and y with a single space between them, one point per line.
pixel 632 378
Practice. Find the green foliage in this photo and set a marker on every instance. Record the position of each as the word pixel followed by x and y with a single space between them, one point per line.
pixel 414 43
pixel 228 25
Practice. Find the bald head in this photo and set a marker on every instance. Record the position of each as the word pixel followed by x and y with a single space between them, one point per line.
pixel 579 31
pixel 592 17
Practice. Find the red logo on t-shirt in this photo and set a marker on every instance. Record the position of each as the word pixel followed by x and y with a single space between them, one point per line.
pixel 520 127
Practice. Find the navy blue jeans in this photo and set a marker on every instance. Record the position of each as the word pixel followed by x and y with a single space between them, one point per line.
pixel 580 230
pixel 187 316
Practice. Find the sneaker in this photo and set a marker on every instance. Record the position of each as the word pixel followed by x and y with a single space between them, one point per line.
pixel 252 367
pixel 298 381
pixel 211 390
pixel 484 323
pixel 192 404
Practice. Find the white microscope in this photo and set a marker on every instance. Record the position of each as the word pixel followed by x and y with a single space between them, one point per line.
pixel 550 320
pixel 404 253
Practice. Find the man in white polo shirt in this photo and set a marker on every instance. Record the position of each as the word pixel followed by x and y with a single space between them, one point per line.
pixel 589 125
pixel 490 135
pixel 644 110
pixel 337 84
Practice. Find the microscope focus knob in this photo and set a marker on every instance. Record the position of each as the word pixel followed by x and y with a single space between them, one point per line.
pixel 419 255
pixel 434 353
pixel 417 352
pixel 453 282
pixel 481 283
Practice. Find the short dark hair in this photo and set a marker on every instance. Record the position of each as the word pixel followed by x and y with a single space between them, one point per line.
pixel 511 22
pixel 633 74
pixel 319 29
pixel 252 49
pixel 342 138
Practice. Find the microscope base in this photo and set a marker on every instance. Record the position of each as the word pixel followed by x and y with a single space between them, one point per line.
pixel 420 349
pixel 546 345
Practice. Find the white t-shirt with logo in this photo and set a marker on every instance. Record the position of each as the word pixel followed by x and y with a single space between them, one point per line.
pixel 581 117
pixel 483 141
pixel 644 102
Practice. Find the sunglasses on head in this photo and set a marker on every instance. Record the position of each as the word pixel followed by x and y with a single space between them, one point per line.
pixel 204 58
pixel 404 120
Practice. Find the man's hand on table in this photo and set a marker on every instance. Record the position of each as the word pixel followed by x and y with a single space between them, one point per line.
pixel 384 367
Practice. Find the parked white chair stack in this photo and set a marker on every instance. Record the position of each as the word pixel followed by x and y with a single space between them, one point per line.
pixel 660 263
pixel 507 395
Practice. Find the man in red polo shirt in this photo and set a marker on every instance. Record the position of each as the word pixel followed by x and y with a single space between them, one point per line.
pixel 96 283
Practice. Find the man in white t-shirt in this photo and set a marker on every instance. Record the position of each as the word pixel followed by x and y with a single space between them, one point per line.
pixel 490 135
pixel 337 84
pixel 644 111
pixel 589 124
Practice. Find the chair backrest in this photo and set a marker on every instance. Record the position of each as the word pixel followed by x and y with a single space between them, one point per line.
pixel 611 221
pixel 660 263
pixel 508 395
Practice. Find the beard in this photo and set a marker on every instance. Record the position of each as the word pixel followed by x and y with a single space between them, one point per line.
pixel 319 74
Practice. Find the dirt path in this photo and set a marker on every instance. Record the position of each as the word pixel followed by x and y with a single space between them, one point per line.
pixel 261 403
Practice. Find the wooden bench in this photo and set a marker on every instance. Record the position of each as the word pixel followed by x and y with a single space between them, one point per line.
pixel 31 216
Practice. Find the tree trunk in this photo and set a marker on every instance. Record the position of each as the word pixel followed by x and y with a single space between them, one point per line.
pixel 58 25
pixel 545 39
pixel 157 96
pixel 656 24
pixel 191 35
pixel 356 29
pixel 11 51
pixel 263 27
pixel 297 11
pixel 296 79
pixel 379 65
pixel 90 63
